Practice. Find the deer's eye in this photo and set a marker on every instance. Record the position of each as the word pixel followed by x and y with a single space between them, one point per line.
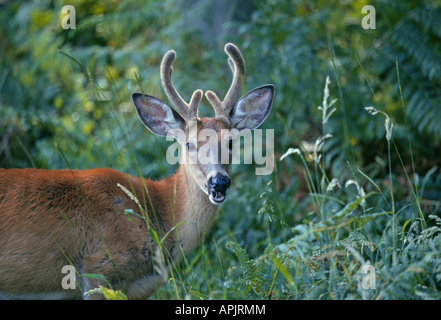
pixel 190 146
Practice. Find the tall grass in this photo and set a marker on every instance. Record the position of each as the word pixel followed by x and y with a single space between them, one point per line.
pixel 328 253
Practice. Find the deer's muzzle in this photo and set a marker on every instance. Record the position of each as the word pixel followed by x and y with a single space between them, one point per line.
pixel 217 188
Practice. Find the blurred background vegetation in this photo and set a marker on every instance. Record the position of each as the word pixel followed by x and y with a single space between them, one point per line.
pixel 65 103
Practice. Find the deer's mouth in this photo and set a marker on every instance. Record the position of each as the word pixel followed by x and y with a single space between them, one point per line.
pixel 217 186
pixel 216 197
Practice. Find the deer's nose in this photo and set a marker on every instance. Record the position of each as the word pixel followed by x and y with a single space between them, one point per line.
pixel 219 182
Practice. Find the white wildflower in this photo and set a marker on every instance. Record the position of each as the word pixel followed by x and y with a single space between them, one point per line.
pixel 318 146
pixel 290 151
pixel 333 184
pixel 325 106
pixel 360 190
pixel 387 123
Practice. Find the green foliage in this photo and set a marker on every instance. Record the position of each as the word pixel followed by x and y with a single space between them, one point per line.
pixel 422 61
pixel 109 294
pixel 335 271
pixel 254 272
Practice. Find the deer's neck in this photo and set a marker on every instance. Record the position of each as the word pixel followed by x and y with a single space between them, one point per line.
pixel 190 211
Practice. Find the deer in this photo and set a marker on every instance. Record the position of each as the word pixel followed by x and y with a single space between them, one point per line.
pixel 103 222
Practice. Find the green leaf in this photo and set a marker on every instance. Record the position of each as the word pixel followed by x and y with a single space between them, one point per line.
pixel 405 225
pixel 282 269
pixel 110 294
pixel 128 212
pixel 94 276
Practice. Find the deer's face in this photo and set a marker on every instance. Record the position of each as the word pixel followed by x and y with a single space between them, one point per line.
pixel 206 150
pixel 206 142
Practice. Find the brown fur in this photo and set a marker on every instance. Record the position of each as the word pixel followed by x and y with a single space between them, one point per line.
pixel 52 218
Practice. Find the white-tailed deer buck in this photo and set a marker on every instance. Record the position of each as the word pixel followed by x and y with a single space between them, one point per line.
pixel 53 218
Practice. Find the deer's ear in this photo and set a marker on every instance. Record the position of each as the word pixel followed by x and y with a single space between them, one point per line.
pixel 156 115
pixel 253 108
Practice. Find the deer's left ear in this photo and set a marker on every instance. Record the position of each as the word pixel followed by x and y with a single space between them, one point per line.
pixel 253 108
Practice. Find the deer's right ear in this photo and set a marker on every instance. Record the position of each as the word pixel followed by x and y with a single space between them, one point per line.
pixel 156 115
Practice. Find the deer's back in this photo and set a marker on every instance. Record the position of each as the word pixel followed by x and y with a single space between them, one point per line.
pixel 52 218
